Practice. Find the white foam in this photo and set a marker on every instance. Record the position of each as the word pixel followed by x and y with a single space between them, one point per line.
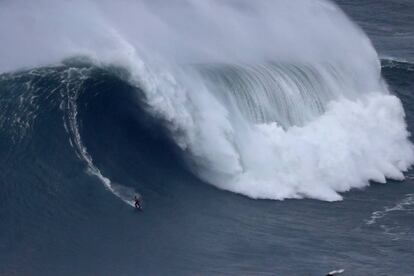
pixel 402 205
pixel 352 143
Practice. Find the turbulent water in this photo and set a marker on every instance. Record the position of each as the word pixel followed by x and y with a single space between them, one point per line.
pixel 276 100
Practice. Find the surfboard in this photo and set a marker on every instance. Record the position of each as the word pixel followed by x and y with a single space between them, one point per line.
pixel 335 272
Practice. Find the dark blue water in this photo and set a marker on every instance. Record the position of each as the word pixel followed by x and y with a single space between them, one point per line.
pixel 389 24
pixel 58 219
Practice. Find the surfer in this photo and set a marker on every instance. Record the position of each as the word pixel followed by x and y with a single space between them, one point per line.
pixel 137 202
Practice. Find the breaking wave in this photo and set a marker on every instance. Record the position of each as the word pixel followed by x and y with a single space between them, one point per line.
pixel 266 100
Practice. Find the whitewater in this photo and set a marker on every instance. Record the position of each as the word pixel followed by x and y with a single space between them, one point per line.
pixel 271 100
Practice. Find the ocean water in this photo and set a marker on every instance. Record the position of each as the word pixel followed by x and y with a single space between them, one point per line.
pixel 266 138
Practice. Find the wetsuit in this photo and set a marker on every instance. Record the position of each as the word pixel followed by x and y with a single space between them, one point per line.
pixel 137 204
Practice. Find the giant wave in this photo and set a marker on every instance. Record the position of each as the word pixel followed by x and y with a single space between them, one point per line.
pixel 271 100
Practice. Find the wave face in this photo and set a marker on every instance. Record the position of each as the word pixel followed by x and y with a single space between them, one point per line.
pixel 264 99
